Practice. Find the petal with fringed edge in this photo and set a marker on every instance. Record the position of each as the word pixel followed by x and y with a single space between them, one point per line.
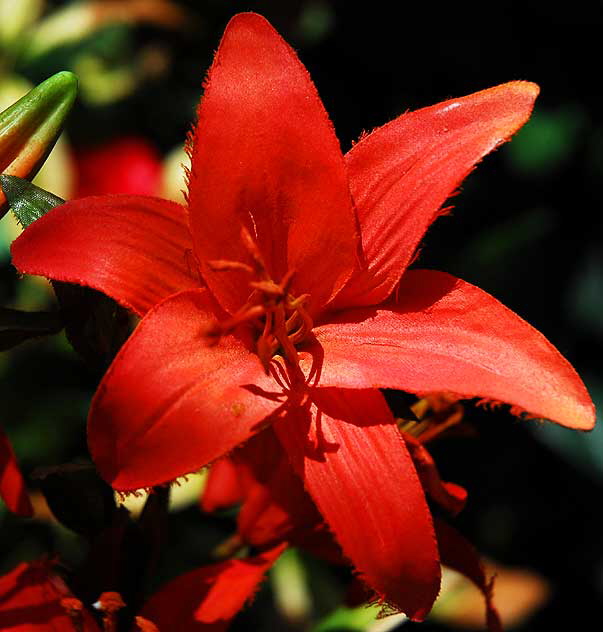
pixel 170 403
pixel 207 598
pixel 446 335
pixel 402 173
pixel 12 485
pixel 458 553
pixel 348 451
pixel 265 157
pixel 133 248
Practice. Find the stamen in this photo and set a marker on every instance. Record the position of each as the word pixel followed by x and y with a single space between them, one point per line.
pixel 254 252
pixel 225 327
pixel 223 265
pixel 285 319
pixel 280 332
pixel 110 603
pixel 268 287
pixel 74 609
pixel 144 625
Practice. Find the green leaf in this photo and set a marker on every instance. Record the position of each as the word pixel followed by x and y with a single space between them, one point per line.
pixel 27 201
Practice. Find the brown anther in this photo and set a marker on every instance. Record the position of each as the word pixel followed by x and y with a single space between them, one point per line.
pixel 75 611
pixel 268 287
pixel 144 625
pixel 436 413
pixel 72 606
pixel 286 282
pixel 110 602
pixel 300 301
pixel 254 252
pixel 223 265
pixel 270 308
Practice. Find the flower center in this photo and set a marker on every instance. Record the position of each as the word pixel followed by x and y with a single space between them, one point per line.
pixel 279 318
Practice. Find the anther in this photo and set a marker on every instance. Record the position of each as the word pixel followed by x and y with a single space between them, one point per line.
pixel 254 252
pixel 144 625
pixel 74 609
pixel 110 603
pixel 224 265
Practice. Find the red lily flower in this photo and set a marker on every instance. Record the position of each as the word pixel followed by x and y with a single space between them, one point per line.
pixel 304 253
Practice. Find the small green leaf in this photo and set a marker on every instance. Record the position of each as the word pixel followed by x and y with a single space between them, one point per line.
pixel 27 201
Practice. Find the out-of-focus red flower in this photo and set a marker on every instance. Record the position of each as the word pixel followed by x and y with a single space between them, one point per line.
pixel 34 598
pixel 125 165
pixel 12 485
pixel 292 259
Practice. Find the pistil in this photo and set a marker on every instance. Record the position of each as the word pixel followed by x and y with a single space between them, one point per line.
pixel 271 308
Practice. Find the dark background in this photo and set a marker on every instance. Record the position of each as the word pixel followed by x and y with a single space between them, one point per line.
pixel 526 227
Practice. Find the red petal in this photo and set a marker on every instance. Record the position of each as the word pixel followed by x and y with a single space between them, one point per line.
pixel 458 553
pixel 276 505
pixel 353 461
pixel 30 601
pixel 401 174
pixel 207 598
pixel 12 485
pixel 445 335
pixel 135 249
pixel 449 496
pixel 169 404
pixel 265 157
pixel 223 488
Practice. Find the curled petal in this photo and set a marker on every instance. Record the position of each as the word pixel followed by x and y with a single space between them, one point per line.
pixel 445 335
pixel 449 496
pixel 265 157
pixel 207 599
pixel 402 173
pixel 170 403
pixel 347 449
pixel 459 554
